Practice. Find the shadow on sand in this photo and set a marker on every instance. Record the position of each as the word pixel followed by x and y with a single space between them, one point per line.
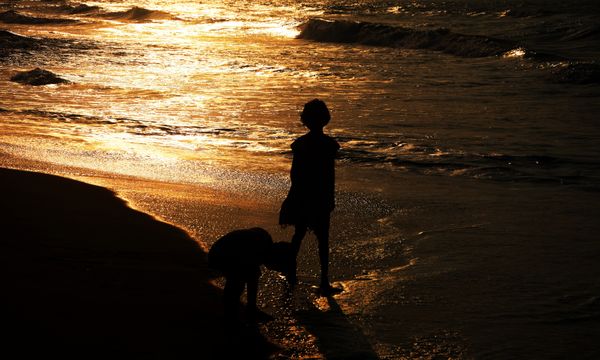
pixel 337 337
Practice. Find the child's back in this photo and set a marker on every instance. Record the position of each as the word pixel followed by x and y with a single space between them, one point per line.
pixel 240 251
pixel 312 173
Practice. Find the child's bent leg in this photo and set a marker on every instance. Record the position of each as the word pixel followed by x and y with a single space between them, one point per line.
pixel 252 292
pixel 234 287
pixel 254 315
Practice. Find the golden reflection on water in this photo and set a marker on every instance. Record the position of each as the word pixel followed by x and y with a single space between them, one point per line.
pixel 364 291
pixel 515 53
pixel 196 87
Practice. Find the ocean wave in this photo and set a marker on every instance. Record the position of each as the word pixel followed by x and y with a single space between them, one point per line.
pixel 77 9
pixel 15 46
pixel 429 160
pixel 139 14
pixel 129 125
pixel 11 43
pixel 441 39
pixel 61 7
pixel 62 117
pixel 13 17
pixel 577 73
pixel 526 12
pixel 563 69
pixel 12 40
pixel 590 32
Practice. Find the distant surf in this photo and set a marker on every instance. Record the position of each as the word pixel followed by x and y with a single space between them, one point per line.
pixel 14 17
pixel 449 42
pixel 441 39
pixel 139 14
pixel 18 48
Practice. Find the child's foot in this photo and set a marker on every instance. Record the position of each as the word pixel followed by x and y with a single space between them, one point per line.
pixel 328 290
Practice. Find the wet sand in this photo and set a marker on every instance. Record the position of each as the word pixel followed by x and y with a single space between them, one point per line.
pixel 435 266
pixel 86 276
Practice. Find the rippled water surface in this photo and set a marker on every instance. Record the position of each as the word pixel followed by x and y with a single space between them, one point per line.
pixel 216 81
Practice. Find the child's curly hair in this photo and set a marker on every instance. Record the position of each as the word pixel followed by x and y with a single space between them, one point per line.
pixel 315 114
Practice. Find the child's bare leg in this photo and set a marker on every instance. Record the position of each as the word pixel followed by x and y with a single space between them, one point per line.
pixel 299 233
pixel 322 233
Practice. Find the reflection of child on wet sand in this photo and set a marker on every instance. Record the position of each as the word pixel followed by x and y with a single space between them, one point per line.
pixel 311 196
pixel 238 256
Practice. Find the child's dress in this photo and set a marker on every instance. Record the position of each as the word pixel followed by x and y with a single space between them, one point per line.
pixel 311 196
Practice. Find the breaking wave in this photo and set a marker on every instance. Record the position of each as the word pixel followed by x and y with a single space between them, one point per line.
pixel 9 39
pixel 563 70
pixel 442 39
pixel 139 14
pixel 76 9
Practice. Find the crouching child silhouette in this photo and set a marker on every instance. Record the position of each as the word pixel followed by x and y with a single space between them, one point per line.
pixel 238 256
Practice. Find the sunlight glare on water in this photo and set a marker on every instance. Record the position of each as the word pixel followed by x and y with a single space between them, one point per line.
pixel 172 82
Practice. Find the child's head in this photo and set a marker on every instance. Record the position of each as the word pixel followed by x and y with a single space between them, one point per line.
pixel 315 115
pixel 282 258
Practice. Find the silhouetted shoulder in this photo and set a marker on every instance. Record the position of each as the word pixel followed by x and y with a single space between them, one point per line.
pixel 315 142
pixel 239 248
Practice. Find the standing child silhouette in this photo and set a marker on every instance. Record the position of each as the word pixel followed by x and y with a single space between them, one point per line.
pixel 311 196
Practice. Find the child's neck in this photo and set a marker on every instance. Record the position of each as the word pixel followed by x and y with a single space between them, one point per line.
pixel 316 131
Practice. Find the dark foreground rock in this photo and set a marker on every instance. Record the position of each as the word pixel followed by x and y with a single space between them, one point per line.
pixel 37 77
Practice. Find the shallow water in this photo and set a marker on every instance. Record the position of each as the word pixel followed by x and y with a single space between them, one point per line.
pixel 469 170
pixel 220 82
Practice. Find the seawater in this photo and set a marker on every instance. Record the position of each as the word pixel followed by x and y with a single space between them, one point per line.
pixel 469 171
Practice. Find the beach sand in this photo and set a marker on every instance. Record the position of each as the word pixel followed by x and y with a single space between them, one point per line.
pixel 455 268
pixel 86 276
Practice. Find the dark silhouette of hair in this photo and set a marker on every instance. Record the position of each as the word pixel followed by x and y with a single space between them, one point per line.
pixel 315 114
